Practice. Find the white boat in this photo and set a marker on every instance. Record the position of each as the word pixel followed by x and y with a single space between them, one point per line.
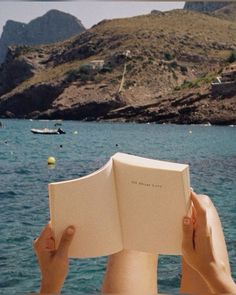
pixel 47 131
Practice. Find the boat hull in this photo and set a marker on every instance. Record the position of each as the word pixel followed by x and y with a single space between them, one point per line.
pixel 45 131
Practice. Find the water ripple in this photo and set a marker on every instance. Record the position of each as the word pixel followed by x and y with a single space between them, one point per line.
pixel 24 176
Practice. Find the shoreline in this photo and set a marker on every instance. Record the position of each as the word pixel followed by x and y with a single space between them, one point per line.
pixel 205 124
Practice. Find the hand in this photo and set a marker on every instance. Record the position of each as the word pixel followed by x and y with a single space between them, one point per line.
pixel 198 248
pixel 53 262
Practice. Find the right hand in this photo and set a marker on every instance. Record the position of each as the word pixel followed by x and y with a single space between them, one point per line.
pixel 198 248
pixel 197 245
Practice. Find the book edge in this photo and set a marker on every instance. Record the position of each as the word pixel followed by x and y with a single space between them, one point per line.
pixel 179 167
pixel 117 202
pixel 51 208
pixel 109 162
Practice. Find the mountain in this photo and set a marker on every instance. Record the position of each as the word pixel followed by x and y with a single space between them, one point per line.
pixel 52 27
pixel 227 12
pixel 205 6
pixel 224 10
pixel 150 68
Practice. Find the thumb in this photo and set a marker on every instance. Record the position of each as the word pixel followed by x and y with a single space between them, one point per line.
pixel 187 243
pixel 65 241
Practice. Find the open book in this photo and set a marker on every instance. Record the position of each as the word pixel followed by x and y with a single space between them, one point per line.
pixel 130 203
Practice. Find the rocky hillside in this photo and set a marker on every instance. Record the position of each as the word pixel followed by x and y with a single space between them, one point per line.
pixel 152 68
pixel 52 27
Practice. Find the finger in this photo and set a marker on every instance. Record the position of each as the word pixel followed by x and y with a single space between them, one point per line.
pixel 65 241
pixel 196 202
pixel 210 240
pixel 40 242
pixel 187 242
pixel 201 202
pixel 202 205
pixel 194 214
pixel 200 208
pixel 50 245
pixel 46 233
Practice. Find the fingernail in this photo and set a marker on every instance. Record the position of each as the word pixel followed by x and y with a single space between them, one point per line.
pixel 187 221
pixel 70 230
pixel 191 189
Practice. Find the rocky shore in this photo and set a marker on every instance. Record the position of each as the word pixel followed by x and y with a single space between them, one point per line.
pixel 153 68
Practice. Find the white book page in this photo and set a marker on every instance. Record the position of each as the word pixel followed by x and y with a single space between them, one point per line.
pixel 89 203
pixel 152 204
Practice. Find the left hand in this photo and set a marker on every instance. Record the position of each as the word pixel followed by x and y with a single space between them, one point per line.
pixel 53 262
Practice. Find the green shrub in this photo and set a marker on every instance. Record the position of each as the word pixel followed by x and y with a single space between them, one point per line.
pixel 72 75
pixel 177 88
pixel 183 70
pixel 128 84
pixel 97 79
pixel 175 76
pixel 174 64
pixel 84 77
pixel 188 84
pixel 85 69
pixel 196 83
pixel 151 59
pixel 168 56
pixel 129 67
pixel 232 57
pixel 105 70
pixel 83 73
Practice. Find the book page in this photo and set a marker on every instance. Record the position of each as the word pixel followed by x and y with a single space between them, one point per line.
pixel 153 198
pixel 89 203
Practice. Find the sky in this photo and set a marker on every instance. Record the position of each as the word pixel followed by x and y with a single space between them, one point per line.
pixel 89 12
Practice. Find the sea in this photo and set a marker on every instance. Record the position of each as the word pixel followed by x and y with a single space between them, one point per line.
pixel 24 176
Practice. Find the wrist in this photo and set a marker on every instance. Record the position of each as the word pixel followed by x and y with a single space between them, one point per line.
pixel 219 279
pixel 214 269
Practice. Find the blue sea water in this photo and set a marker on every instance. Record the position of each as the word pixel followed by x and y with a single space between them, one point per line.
pixel 24 175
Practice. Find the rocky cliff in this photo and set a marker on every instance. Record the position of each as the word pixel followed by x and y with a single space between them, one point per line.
pixel 205 6
pixel 223 10
pixel 227 12
pixel 52 27
pixel 152 68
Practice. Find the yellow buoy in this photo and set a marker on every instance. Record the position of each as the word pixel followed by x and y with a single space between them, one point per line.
pixel 51 161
